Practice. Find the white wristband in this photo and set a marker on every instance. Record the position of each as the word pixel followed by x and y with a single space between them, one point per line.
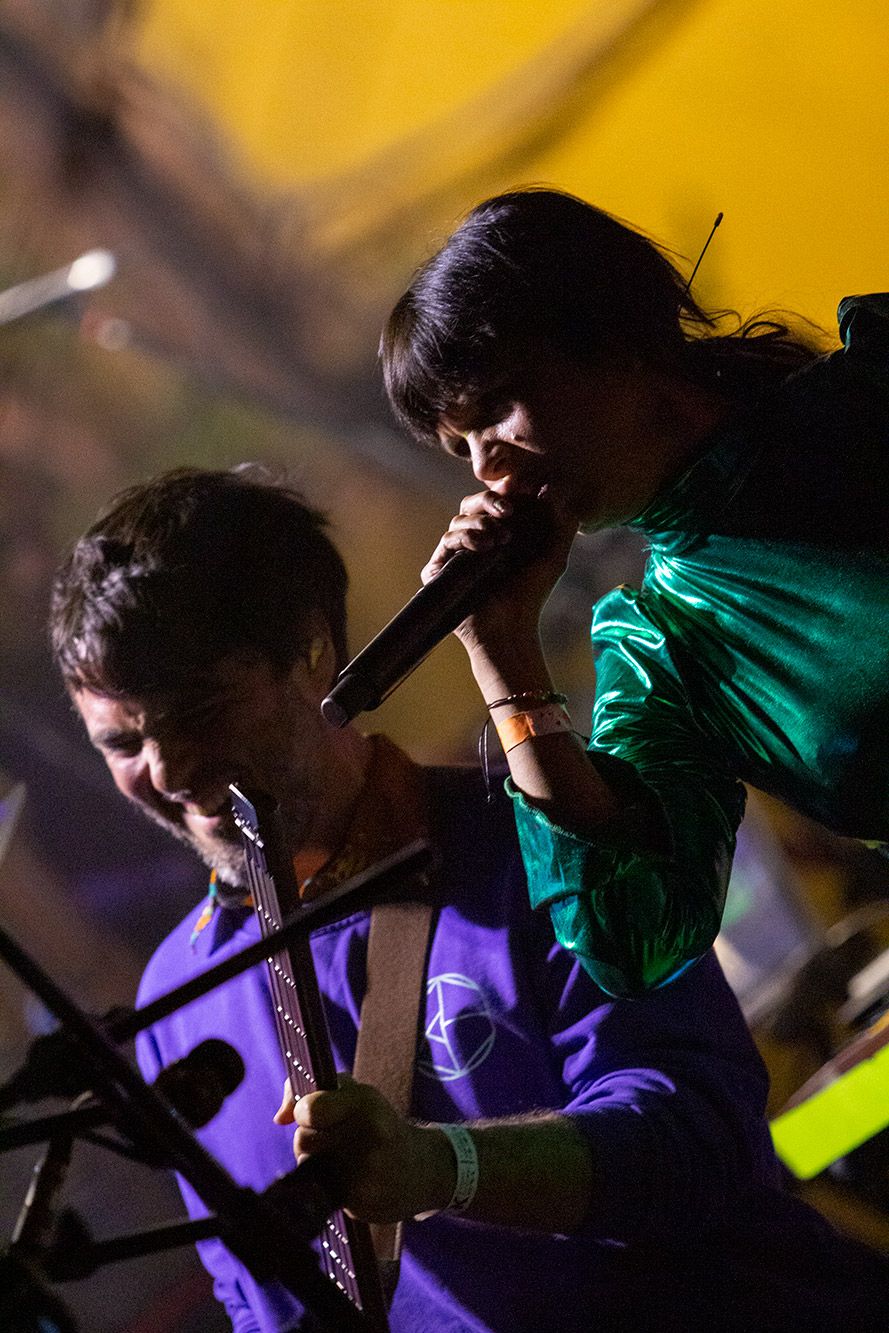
pixel 466 1158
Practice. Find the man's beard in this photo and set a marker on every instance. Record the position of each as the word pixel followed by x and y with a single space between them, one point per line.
pixel 226 856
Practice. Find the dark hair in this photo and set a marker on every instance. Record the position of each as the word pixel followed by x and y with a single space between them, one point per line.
pixel 187 569
pixel 540 266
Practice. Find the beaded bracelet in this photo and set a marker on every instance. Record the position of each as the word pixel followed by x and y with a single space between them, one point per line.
pixel 466 1157
pixel 529 696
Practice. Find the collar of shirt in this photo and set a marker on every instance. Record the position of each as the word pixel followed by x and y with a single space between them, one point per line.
pixel 697 495
pixel 390 813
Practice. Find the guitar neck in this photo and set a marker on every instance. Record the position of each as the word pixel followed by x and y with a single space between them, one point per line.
pixel 346 1248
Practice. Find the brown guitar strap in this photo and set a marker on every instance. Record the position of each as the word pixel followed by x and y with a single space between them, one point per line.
pixel 387 1036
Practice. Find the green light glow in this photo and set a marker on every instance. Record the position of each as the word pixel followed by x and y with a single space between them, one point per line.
pixel 835 1120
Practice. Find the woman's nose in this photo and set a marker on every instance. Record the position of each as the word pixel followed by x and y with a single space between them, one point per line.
pixel 489 458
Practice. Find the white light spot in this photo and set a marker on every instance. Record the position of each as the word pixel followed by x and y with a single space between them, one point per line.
pixel 91 270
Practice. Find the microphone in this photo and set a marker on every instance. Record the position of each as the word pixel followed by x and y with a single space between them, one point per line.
pixel 198 1084
pixel 195 1086
pixel 51 1069
pixel 463 584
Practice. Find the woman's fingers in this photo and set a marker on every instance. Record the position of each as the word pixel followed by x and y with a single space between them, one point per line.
pixel 485 502
pixel 477 527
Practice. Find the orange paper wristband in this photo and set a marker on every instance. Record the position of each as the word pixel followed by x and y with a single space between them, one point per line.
pixel 521 727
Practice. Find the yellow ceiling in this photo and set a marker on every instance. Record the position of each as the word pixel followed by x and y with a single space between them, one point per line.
pixel 777 114
pixel 309 89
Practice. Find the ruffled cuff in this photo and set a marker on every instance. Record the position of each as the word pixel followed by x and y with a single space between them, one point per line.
pixel 606 899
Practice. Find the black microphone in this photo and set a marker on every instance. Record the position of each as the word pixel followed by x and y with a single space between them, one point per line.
pixel 463 585
pixel 54 1067
pixel 198 1084
pixel 195 1086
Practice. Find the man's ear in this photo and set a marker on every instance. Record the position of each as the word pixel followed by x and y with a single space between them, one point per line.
pixel 315 651
pixel 316 664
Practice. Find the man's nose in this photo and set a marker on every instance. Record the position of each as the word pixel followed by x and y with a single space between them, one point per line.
pixel 172 766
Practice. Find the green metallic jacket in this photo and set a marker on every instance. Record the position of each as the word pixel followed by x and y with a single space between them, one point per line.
pixel 757 650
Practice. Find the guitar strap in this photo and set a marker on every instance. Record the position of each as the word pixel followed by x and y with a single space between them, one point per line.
pixel 386 1052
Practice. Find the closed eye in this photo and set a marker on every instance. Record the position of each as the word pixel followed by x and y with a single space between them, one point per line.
pixel 480 413
pixel 119 743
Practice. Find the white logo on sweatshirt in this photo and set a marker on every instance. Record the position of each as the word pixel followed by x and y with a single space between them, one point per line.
pixel 459 1032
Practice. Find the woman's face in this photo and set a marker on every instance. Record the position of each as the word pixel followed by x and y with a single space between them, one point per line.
pixel 588 438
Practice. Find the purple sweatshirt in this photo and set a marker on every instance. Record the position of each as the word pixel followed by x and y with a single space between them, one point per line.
pixel 687 1224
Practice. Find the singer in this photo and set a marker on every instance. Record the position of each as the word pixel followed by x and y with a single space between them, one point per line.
pixel 561 353
pixel 600 1162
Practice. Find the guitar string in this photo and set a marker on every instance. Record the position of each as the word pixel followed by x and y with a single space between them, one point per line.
pixel 257 885
pixel 341 1260
pixel 338 1264
pixel 352 1237
pixel 279 998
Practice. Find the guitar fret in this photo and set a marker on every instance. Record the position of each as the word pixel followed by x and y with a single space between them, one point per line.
pixel 340 1262
pixel 302 1052
pixel 341 1239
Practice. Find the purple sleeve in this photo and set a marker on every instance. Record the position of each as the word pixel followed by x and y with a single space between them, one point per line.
pixel 225 1272
pixel 148 1056
pixel 669 1092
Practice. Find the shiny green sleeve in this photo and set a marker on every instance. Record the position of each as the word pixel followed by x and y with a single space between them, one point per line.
pixel 640 898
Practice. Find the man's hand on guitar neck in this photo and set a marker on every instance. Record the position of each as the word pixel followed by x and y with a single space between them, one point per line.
pixel 384 1161
pixel 534 1172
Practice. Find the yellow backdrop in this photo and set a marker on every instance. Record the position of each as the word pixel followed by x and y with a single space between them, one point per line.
pixel 777 114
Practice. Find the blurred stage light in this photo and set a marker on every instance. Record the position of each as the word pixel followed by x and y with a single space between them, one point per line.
pixel 90 270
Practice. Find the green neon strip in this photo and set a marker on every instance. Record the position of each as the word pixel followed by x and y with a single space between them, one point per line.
pixel 835 1120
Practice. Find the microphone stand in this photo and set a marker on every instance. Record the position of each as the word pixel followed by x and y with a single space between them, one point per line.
pixel 399 872
pixel 258 1229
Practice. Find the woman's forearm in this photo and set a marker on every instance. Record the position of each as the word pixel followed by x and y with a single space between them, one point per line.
pixel 553 771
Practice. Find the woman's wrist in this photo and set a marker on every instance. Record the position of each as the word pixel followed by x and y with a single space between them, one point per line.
pixel 511 670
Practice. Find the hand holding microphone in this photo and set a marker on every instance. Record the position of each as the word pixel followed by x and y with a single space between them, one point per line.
pixel 481 561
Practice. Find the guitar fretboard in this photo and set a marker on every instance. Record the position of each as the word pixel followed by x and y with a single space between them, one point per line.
pixel 347 1255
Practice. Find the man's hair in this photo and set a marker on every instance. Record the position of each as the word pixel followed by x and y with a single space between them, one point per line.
pixel 537 266
pixel 188 569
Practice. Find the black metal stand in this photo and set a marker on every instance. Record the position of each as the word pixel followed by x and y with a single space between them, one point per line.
pixel 266 1232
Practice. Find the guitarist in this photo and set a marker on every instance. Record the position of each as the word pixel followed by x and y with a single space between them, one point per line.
pixel 601 1163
